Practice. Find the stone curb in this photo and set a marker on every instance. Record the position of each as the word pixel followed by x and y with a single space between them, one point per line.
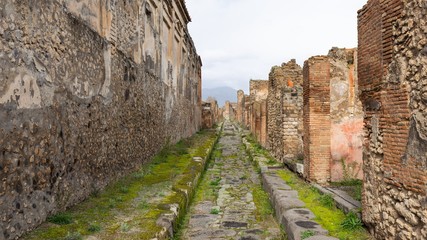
pixel 289 209
pixel 169 221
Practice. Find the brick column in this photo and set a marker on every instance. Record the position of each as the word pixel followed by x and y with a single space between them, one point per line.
pixel 317 121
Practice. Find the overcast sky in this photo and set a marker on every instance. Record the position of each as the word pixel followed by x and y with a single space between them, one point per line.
pixel 239 40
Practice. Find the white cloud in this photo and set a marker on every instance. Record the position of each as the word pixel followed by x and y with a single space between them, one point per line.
pixel 242 39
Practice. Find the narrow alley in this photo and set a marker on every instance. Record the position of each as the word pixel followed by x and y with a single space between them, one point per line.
pixel 236 209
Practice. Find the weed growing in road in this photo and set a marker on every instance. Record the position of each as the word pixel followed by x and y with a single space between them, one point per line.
pixel 214 211
pixel 143 205
pixel 61 219
pixel 271 162
pixel 327 200
pixel 307 234
pixel 94 227
pixel 351 222
pixel 124 189
pixel 215 182
pixel 124 227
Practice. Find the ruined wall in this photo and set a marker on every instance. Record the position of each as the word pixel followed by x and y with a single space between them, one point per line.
pixel 259 92
pixel 392 80
pixel 284 104
pixel 211 114
pixel 89 91
pixel 332 117
pixel 240 110
pixel 229 111
pixel 248 111
pixel 317 119
pixel 346 116
pixel 208 115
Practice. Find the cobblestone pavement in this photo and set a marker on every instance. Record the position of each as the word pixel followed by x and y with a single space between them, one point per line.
pixel 235 210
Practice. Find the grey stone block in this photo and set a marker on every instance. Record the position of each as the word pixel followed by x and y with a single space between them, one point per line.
pixel 296 214
pixel 295 229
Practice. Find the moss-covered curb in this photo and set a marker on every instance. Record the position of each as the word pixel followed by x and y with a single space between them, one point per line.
pixel 144 205
pixel 184 191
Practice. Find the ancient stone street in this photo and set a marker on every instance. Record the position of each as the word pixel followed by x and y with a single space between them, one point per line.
pixel 107 132
pixel 233 213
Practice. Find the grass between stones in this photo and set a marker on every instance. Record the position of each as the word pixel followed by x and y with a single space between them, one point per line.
pixel 339 225
pixel 207 190
pixel 129 208
pixel 262 203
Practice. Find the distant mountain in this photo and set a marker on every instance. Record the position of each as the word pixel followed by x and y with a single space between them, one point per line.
pixel 221 94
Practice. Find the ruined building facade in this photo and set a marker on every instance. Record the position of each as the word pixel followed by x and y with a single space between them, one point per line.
pixel 210 113
pixel 393 89
pixel 89 91
pixel 258 110
pixel 310 119
pixel 284 111
pixel 333 119
pixel 240 109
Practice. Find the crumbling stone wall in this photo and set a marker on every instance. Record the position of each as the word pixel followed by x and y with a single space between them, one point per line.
pixel 248 111
pixel 229 111
pixel 285 124
pixel 392 81
pixel 89 91
pixel 317 119
pixel 259 92
pixel 209 114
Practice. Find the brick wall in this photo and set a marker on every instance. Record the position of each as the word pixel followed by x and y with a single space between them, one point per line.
pixel 317 120
pixel 392 70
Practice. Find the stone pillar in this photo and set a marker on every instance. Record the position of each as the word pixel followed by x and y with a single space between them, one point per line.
pixel 263 122
pixel 317 121
pixel 240 106
pixel 284 109
pixel 259 93
pixel 392 73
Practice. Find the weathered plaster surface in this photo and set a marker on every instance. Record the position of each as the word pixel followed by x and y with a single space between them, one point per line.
pixel 83 99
